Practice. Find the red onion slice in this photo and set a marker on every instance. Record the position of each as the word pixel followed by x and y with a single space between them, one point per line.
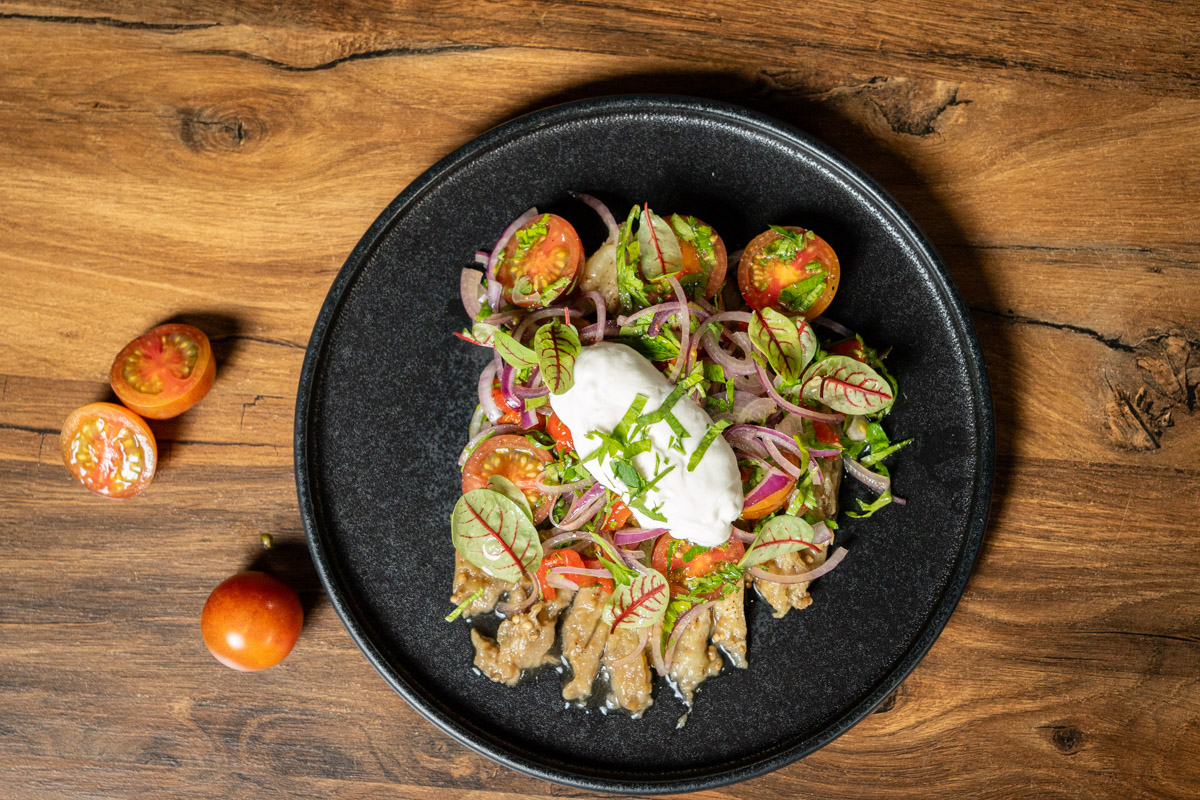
pixel 508 377
pixel 834 559
pixel 872 480
pixel 482 257
pixel 468 289
pixel 484 434
pixel 509 232
pixel 628 536
pixel 561 488
pixel 595 573
pixel 792 407
pixel 486 379
pixel 732 316
pixel 773 482
pixel 731 364
pixel 680 626
pixel 647 312
pixel 559 538
pixel 685 330
pixel 815 469
pixel 508 609
pixel 643 638
pixel 783 463
pixel 606 216
pixel 744 536
pixel 821 533
pixel 537 316
pixel 836 327
pixel 656 652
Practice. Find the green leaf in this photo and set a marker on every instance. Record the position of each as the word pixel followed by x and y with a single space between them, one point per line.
pixel 710 436
pixel 868 509
pixel 659 348
pixel 494 534
pixel 847 385
pixel 533 232
pixel 501 484
pixel 513 352
pixel 640 604
pixel 781 535
pixel 557 347
pixel 658 247
pixel 627 474
pixel 786 349
pixel 800 296
pixel 461 607
pixel 631 291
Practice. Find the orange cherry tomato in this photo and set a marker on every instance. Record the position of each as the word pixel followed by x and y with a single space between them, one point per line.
pixel 109 449
pixel 560 433
pixel 693 263
pixel 771 503
pixel 617 516
pixel 606 584
pixel 762 275
pixel 251 621
pixel 559 558
pixel 701 564
pixel 165 371
pixel 512 457
pixel 544 253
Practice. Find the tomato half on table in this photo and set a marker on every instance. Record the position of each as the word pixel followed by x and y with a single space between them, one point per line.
pixel 165 371
pixel 109 449
pixel 541 262
pixel 772 264
pixel 700 564
pixel 711 260
pixel 513 457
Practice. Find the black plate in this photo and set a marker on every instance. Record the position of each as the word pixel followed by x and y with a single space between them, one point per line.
pixel 386 393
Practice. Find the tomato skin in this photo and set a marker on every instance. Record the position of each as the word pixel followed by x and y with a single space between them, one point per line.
pixel 557 254
pixel 692 265
pixel 605 584
pixel 559 558
pixel 761 283
pixel 770 503
pixel 155 358
pixel 851 347
pixel 97 441
pixel 617 516
pixel 827 434
pixel 560 433
pixel 700 565
pixel 513 457
pixel 251 621
pixel 511 416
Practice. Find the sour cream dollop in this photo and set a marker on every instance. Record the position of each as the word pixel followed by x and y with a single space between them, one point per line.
pixel 700 505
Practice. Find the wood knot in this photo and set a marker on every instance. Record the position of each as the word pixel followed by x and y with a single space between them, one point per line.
pixel 1067 739
pixel 211 130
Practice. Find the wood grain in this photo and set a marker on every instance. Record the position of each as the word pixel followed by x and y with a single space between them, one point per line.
pixel 217 161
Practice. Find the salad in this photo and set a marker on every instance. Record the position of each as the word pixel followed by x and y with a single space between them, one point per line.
pixel 652 440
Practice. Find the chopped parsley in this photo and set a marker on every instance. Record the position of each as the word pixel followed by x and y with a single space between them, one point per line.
pixel 800 295
pixel 532 233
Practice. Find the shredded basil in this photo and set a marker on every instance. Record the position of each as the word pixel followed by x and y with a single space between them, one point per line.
pixel 461 607
pixel 709 437
pixel 801 295
pixel 532 233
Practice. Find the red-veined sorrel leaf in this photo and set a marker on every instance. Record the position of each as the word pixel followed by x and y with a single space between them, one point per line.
pixel 501 484
pixel 557 346
pixel 494 534
pixel 783 534
pixel 847 385
pixel 640 603
pixel 512 351
pixel 788 349
pixel 658 246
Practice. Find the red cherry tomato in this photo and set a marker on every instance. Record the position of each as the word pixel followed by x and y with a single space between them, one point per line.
pixel 701 564
pixel 544 253
pixel 560 433
pixel 616 517
pixel 849 347
pixel 606 584
pixel 165 371
pixel 762 275
pixel 559 558
pixel 827 434
pixel 109 449
pixel 511 416
pixel 512 457
pixel 251 621
pixel 694 263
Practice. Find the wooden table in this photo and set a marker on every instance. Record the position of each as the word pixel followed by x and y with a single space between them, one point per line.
pixel 216 162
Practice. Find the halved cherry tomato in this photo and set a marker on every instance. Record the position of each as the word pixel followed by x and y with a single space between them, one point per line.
pixel 165 371
pixel 770 503
pixel 251 621
pixel 559 558
pixel 827 434
pixel 701 564
pixel 109 449
pixel 512 457
pixel 616 517
pixel 560 433
pixel 762 276
pixel 693 263
pixel 584 581
pixel 545 251
pixel 849 347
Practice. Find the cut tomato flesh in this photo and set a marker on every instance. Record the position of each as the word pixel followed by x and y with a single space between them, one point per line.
pixel 109 449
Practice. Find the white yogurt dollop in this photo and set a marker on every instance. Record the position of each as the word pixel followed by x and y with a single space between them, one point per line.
pixel 700 505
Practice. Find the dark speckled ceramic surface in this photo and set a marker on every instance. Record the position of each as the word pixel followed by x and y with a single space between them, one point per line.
pixel 386 393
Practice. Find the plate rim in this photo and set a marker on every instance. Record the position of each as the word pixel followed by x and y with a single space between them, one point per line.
pixel 460 729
